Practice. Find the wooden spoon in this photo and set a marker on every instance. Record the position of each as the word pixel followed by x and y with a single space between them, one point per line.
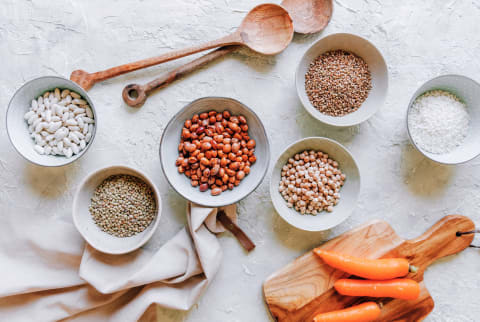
pixel 309 16
pixel 267 29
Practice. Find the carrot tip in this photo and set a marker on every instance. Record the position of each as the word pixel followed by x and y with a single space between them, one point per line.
pixel 413 269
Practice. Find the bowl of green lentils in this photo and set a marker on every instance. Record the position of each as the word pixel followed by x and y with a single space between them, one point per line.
pixel 117 209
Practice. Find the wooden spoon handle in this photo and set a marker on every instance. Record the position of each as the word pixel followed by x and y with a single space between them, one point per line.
pixel 87 80
pixel 439 241
pixel 135 95
pixel 244 240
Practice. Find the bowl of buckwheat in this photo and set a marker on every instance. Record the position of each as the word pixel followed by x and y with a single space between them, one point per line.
pixel 51 121
pixel 315 184
pixel 342 80
pixel 117 209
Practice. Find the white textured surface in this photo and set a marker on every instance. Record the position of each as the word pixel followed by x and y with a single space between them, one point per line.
pixel 420 39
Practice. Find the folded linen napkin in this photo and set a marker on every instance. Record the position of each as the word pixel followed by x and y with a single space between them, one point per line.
pixel 49 273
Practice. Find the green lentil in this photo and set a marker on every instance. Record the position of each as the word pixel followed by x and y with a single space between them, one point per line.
pixel 123 205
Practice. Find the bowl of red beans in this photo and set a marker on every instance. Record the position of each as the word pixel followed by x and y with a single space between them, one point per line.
pixel 215 151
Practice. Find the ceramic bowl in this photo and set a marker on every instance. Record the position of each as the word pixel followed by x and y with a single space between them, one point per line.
pixel 17 127
pixel 83 220
pixel 348 194
pixel 171 139
pixel 468 91
pixel 376 64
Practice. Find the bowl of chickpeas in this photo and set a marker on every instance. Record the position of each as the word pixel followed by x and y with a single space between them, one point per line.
pixel 215 151
pixel 315 184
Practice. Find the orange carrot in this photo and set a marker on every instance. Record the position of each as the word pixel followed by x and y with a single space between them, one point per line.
pixel 364 312
pixel 375 269
pixel 400 288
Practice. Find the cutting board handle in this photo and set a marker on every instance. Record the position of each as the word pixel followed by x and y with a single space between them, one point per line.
pixel 439 241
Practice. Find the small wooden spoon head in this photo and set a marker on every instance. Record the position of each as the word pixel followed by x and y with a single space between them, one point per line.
pixel 82 78
pixel 309 16
pixel 134 95
pixel 267 29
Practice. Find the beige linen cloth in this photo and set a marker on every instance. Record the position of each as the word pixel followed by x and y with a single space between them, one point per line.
pixel 48 273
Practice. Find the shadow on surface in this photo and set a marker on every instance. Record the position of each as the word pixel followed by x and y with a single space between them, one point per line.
pixel 423 176
pixel 48 182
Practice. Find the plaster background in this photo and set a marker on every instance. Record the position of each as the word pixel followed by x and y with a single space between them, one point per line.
pixel 419 39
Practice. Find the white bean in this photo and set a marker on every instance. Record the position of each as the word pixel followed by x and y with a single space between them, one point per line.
pixel 71 122
pixel 40 126
pixel 54 150
pixel 60 145
pixel 40 100
pixel 73 128
pixel 34 105
pixel 89 112
pixel 48 149
pixel 68 152
pixel 80 121
pixel 75 95
pixel 82 144
pixel 79 135
pixel 66 142
pixel 79 101
pixel 61 133
pixel 65 92
pixel 56 119
pixel 28 115
pixel 48 116
pixel 54 126
pixel 75 149
pixel 73 137
pixel 50 137
pixel 65 116
pixel 39 149
pixel 88 120
pixel 88 137
pixel 57 93
pixel 78 110
pixel 85 129
pixel 32 119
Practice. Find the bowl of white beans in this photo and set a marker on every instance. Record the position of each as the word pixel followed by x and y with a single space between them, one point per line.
pixel 51 121
pixel 315 184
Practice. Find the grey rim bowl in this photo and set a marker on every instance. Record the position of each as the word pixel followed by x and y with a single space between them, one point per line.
pixel 84 223
pixel 171 139
pixel 348 194
pixel 376 64
pixel 468 91
pixel 17 128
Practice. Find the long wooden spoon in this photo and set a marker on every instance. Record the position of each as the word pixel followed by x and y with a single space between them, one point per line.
pixel 267 29
pixel 309 16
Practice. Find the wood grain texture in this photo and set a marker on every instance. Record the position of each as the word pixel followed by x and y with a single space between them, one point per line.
pixel 142 91
pixel 304 287
pixel 267 29
pixel 309 16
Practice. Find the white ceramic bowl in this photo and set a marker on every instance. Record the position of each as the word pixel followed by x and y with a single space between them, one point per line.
pixel 171 139
pixel 17 127
pixel 376 64
pixel 83 220
pixel 348 194
pixel 468 91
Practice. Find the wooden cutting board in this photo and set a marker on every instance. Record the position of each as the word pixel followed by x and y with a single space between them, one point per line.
pixel 304 287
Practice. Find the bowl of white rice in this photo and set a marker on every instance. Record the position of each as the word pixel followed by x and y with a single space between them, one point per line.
pixel 443 119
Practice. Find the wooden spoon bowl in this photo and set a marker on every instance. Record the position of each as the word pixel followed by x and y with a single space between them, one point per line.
pixel 267 29
pixel 309 16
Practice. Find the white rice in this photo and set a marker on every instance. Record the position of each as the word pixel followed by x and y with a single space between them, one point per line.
pixel 438 122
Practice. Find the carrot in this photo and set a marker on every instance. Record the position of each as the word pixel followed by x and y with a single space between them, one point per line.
pixel 375 269
pixel 364 312
pixel 400 288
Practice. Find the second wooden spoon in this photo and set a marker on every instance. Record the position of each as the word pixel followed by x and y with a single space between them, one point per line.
pixel 309 16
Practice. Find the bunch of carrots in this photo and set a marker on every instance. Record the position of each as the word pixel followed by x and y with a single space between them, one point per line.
pixel 383 278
